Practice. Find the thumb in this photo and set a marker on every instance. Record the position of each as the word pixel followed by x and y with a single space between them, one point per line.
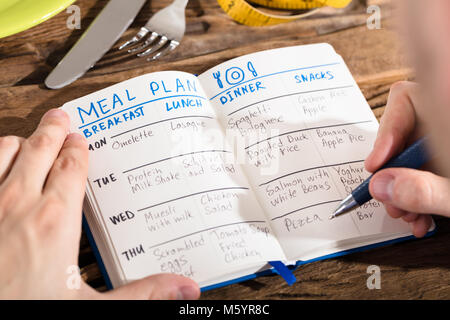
pixel 157 287
pixel 412 190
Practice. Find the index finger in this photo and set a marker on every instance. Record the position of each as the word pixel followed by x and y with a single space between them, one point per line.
pixel 397 124
pixel 68 176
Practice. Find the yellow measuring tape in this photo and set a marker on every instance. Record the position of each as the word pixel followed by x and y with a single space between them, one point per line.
pixel 245 13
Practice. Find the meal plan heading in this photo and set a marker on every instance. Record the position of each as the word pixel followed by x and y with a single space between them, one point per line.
pixel 125 105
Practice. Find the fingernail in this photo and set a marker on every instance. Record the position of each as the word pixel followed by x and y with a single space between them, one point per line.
pixel 56 113
pixel 187 293
pixel 382 187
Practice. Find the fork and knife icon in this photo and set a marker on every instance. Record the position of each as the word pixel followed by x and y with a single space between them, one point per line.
pixel 160 35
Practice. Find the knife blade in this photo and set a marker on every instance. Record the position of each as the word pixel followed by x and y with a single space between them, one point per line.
pixel 101 35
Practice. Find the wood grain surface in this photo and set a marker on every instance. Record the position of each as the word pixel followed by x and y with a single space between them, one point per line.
pixel 418 269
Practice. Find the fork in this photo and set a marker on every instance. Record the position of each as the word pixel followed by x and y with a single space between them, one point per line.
pixel 168 25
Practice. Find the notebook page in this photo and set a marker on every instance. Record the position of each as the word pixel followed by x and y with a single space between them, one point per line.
pixel 303 129
pixel 168 198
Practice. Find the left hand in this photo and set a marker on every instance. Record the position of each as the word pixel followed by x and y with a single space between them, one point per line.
pixel 42 185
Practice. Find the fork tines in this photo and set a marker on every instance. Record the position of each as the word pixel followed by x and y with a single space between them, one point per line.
pixel 166 28
pixel 158 42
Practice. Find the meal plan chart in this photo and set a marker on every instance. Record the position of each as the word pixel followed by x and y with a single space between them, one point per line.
pixel 212 177
pixel 160 178
pixel 307 130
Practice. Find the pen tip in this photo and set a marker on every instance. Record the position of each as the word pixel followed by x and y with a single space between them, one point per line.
pixel 331 217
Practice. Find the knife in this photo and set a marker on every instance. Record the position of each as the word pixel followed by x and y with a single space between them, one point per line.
pixel 101 35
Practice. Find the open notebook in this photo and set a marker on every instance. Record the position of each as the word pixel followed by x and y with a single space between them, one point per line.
pixel 213 176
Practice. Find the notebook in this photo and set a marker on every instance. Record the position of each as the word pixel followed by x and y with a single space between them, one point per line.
pixel 230 174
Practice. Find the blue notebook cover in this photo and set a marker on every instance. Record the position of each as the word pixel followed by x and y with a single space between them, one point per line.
pixel 254 275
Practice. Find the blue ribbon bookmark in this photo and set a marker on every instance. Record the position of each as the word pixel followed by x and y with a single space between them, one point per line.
pixel 283 271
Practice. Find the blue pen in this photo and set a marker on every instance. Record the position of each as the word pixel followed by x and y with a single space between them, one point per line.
pixel 413 157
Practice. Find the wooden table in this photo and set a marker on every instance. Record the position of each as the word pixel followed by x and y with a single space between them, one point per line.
pixel 416 269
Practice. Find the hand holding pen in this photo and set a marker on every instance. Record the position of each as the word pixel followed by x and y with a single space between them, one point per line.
pixel 409 194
